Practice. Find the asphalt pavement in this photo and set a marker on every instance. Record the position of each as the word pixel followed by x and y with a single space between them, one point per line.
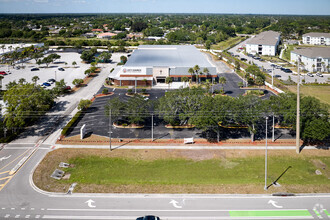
pixel 21 199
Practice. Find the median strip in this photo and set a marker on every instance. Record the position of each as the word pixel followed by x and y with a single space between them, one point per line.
pixel 270 213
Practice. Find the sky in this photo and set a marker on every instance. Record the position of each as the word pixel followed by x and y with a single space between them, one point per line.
pixel 295 7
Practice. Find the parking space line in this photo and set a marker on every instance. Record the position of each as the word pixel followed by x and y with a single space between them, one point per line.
pixel 5 178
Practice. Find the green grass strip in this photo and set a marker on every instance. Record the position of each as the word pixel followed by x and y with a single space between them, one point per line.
pixel 326 212
pixel 317 213
pixel 269 213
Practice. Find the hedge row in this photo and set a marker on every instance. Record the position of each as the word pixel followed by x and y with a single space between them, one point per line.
pixel 72 123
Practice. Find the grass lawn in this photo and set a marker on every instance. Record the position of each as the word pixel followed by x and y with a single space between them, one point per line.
pixel 223 45
pixel 287 52
pixel 320 92
pixel 183 171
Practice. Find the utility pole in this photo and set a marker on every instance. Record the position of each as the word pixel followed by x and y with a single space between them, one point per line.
pixel 152 127
pixel 265 188
pixel 273 133
pixel 110 129
pixel 298 111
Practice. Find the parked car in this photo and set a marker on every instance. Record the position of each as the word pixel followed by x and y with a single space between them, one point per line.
pixel 243 59
pixel 319 74
pixel 61 69
pixel 46 84
pixel 277 76
pixel 3 73
pixel 148 217
pixel 250 55
pixel 310 75
pixel 66 88
pixel 286 70
pixel 35 69
pixel 51 81
pixel 17 67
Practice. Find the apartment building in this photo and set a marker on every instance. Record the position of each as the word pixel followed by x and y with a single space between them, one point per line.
pixel 265 43
pixel 315 38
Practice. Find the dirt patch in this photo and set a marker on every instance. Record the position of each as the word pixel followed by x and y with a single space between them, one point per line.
pixel 322 166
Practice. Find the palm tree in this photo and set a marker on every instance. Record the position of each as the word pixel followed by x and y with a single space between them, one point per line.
pixel 35 80
pixel 313 67
pixel 206 72
pixel 168 80
pixel 1 77
pixel 196 69
pixel 185 79
pixel 21 81
pixel 191 71
pixel 222 81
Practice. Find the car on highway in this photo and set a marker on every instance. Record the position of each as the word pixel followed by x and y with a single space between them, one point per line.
pixel 35 69
pixel 51 81
pixel 61 69
pixel 3 73
pixel 310 75
pixel 148 217
pixel 319 74
pixel 46 84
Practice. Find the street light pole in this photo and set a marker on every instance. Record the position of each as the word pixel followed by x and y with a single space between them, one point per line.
pixel 298 111
pixel 152 127
pixel 110 129
pixel 273 133
pixel 55 76
pixel 265 188
pixel 135 85
pixel 273 77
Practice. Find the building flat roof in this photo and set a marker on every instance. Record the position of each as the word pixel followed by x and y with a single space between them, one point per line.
pixel 317 34
pixel 167 56
pixel 313 52
pixel 265 38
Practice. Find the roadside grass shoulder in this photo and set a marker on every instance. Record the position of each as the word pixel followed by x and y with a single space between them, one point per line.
pixel 181 171
pixel 223 45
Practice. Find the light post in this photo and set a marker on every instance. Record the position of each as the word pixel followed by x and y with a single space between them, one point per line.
pixel 273 77
pixel 152 127
pixel 110 129
pixel 55 76
pixel 298 111
pixel 273 133
pixel 265 188
pixel 135 85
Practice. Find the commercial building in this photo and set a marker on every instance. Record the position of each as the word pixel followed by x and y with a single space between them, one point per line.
pixel 315 38
pixel 313 58
pixel 265 43
pixel 152 64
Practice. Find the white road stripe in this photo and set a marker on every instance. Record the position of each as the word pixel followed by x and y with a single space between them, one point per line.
pixel 170 217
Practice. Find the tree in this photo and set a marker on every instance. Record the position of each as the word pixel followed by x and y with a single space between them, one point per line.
pixel 196 69
pixel 185 79
pixel 39 62
pixel 74 63
pixel 88 72
pixel 59 87
pixel 137 108
pixel 123 59
pixel 168 81
pixel 84 104
pixel 237 65
pixel 77 82
pixel 222 81
pixel 87 56
pixel 35 79
pixel 36 56
pixel 26 103
pixel 208 44
pixel 22 81
pixel 191 71
pixel 105 57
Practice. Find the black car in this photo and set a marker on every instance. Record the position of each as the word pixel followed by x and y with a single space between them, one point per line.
pixel 310 75
pixel 243 59
pixel 61 69
pixel 148 217
pixel 35 69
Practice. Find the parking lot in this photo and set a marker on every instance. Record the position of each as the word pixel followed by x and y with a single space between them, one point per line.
pixel 278 72
pixel 69 73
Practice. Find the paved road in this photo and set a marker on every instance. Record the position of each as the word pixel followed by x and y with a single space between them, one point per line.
pixel 283 76
pixel 20 199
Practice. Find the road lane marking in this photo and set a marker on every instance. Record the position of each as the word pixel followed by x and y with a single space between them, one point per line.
pixel 5 158
pixel 15 159
pixel 5 172
pixel 3 185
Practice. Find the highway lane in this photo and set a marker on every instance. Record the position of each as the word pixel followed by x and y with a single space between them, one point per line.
pixel 21 200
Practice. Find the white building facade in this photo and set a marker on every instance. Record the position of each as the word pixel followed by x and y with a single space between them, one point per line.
pixel 314 59
pixel 265 43
pixel 315 38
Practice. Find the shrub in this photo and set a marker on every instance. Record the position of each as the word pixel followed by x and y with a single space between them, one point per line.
pixel 144 90
pixel 73 122
pixel 105 91
pixel 129 91
pixel 240 84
